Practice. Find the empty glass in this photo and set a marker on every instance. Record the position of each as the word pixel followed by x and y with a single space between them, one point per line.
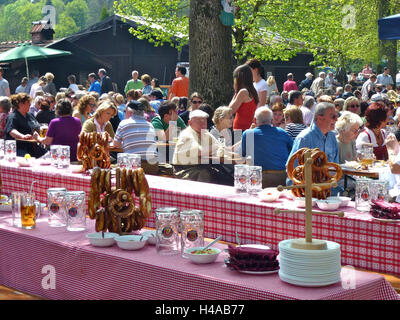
pixel 134 160
pixel 254 182
pixel 55 205
pixel 63 157
pixel 192 228
pixel 363 194
pixel 241 176
pixel 75 209
pixel 10 147
pixel 379 190
pixel 1 149
pixel 54 151
pixel 123 160
pixel 16 198
pixel 167 225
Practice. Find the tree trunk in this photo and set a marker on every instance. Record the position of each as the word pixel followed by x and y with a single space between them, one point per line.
pixel 210 56
pixel 387 48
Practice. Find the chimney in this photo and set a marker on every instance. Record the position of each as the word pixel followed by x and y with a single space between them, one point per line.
pixel 41 32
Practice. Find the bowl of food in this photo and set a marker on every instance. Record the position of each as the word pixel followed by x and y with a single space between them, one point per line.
pixel 199 255
pixel 269 194
pixel 331 204
pixel 96 239
pixel 131 242
pixel 344 201
pixel 151 236
pixel 301 201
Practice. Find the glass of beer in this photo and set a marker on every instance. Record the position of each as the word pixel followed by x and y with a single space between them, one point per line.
pixel 43 130
pixel 28 211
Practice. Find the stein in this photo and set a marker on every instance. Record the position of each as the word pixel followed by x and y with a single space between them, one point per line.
pixel 28 211
pixel 379 190
pixel 167 224
pixel 75 210
pixel 55 205
pixel 363 194
pixel 10 150
pixel 16 198
pixel 254 182
pixel 192 229
pixel 241 176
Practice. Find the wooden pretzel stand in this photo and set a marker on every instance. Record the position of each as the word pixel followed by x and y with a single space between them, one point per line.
pixel 308 243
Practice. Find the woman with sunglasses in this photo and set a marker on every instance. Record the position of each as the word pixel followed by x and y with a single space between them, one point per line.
pixel 195 101
pixel 100 122
pixel 85 106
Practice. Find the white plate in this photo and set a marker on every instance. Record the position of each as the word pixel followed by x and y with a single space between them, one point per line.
pixel 387 220
pixel 259 272
pixel 257 246
pixel 307 284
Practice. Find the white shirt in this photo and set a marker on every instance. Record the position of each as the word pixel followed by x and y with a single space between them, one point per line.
pixel 307 115
pixel 35 87
pixel 73 87
pixel 261 86
pixel 98 126
pixel 363 138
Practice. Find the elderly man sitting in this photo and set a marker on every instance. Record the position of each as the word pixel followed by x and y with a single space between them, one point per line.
pixel 194 143
pixel 269 147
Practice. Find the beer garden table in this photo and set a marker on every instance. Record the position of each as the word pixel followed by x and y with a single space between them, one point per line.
pixel 365 242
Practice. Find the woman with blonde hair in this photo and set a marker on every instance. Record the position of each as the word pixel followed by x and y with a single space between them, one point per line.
pixel 348 126
pixel 272 87
pixel 100 122
pixel 294 121
pixel 84 107
pixel 50 87
pixel 223 121
pixel 352 104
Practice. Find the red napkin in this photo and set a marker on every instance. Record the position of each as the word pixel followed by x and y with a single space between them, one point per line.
pixel 252 259
pixel 385 210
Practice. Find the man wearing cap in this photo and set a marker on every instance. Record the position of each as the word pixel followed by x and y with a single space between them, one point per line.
pixel 135 83
pixel 269 148
pixel 307 82
pixel 167 112
pixel 290 84
pixel 156 97
pixel 136 134
pixel 193 143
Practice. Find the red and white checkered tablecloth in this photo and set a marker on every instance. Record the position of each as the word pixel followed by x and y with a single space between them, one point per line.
pixel 57 264
pixel 365 243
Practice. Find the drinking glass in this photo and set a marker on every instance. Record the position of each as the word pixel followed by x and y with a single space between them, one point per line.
pixel 16 208
pixel 241 175
pixel 134 160
pixel 55 205
pixel 123 160
pixel 173 131
pixel 363 194
pixel 75 208
pixel 54 151
pixel 10 147
pixel 43 130
pixel 254 182
pixel 1 149
pixel 63 157
pixel 379 190
pixel 28 211
pixel 192 228
pixel 167 225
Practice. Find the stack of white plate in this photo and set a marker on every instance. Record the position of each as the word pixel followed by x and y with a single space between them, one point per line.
pixel 309 268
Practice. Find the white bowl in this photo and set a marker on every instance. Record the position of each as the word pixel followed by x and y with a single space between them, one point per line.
pixel 202 258
pixel 96 239
pixel 269 194
pixel 344 201
pixel 131 242
pixel 151 236
pixel 328 204
pixel 301 201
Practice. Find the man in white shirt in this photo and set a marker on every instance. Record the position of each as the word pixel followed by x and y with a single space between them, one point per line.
pixel 385 78
pixel 368 87
pixel 72 83
pixel 318 83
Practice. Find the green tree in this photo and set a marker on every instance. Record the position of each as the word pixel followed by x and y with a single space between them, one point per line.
pixel 104 13
pixel 65 26
pixel 79 12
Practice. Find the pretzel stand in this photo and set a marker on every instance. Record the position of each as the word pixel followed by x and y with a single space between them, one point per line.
pixel 309 262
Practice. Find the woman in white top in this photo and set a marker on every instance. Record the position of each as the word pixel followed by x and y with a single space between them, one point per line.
pixel 376 116
pixel 223 121
pixel 258 81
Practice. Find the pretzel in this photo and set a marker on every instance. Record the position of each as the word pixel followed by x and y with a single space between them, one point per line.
pixel 320 172
pixel 108 181
pixel 100 220
pixel 144 196
pixel 94 195
pixel 120 203
pixel 123 178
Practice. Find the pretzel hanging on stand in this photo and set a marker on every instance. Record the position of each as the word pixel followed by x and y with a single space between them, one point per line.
pixel 114 208
pixel 93 150
pixel 321 172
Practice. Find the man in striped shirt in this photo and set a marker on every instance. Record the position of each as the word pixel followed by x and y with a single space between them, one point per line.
pixel 136 134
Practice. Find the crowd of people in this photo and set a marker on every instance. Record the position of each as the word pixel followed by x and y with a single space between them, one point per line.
pixel 260 123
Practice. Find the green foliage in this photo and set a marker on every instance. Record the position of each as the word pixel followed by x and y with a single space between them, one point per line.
pixel 79 12
pixel 66 26
pixel 104 13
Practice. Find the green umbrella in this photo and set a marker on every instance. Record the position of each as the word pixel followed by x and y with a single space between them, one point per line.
pixel 26 51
